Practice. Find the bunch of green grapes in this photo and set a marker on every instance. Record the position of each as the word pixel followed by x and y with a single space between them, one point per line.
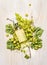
pixel 32 34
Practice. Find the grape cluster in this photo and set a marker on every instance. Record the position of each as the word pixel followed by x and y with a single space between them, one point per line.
pixel 32 32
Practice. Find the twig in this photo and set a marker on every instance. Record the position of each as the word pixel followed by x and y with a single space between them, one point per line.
pixel 29 52
pixel 11 21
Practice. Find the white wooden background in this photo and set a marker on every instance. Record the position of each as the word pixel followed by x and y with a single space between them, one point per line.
pixel 39 12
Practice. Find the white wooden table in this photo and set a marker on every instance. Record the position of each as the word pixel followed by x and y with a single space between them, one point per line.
pixel 39 12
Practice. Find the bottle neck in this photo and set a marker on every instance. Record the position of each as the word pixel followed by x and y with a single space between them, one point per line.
pixel 16 26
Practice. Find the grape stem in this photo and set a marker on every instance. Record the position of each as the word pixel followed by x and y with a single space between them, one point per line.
pixel 11 21
pixel 29 51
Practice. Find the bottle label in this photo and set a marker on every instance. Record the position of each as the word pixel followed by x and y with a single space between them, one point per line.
pixel 21 35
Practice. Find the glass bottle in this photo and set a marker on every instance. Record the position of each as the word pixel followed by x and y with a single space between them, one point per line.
pixel 20 34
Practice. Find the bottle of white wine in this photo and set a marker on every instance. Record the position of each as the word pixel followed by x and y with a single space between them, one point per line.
pixel 20 34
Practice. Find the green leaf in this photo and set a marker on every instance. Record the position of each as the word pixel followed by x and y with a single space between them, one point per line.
pixel 38 32
pixel 10 44
pixel 9 29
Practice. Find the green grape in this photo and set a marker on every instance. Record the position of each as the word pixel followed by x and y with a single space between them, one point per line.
pixel 18 17
pixel 15 37
pixel 33 28
pixel 27 57
pixel 30 39
pixel 18 47
pixel 29 4
pixel 25 27
pixel 14 41
pixel 20 24
pixel 26 15
pixel 34 40
pixel 7 35
pixel 32 45
pixel 40 45
pixel 23 51
pixel 36 47
pixel 30 34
